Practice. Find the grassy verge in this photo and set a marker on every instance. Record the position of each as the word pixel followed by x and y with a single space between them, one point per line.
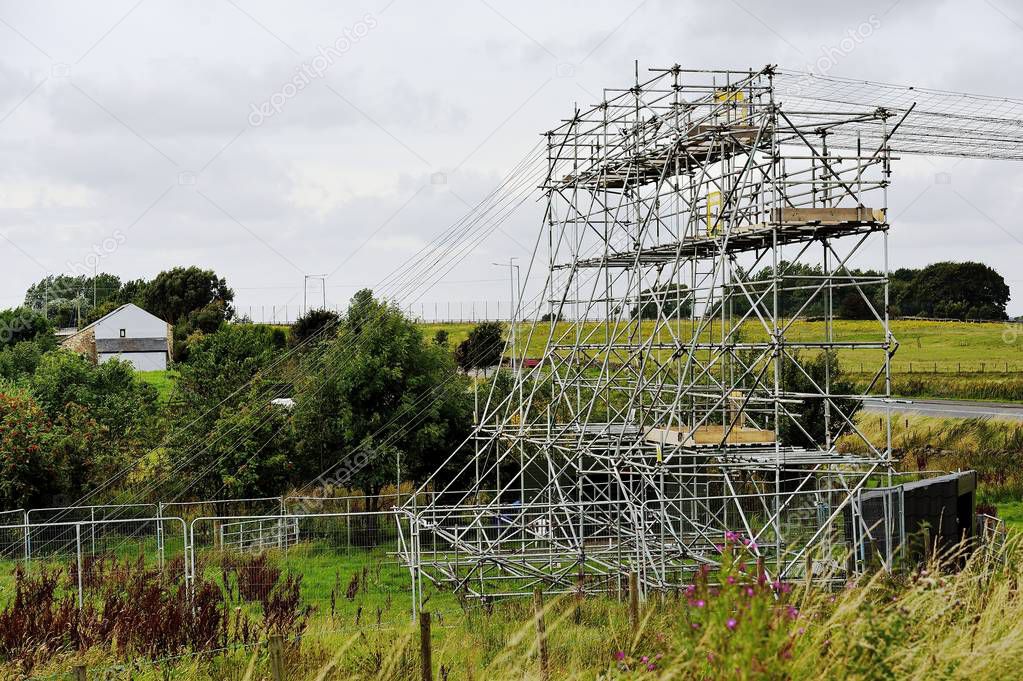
pixel 928 624
pixel 163 381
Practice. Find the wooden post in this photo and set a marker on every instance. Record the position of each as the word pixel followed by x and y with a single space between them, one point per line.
pixel 426 652
pixel 634 601
pixel 809 568
pixel 541 635
pixel 580 585
pixel 277 657
pixel 80 673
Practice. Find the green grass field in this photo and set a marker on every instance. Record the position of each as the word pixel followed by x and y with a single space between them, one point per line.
pixel 934 359
pixel 991 347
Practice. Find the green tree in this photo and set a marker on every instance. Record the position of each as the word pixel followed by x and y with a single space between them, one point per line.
pixel 377 394
pixel 29 474
pixel 312 323
pixel 251 453
pixel 23 324
pixel 81 447
pixel 960 290
pixel 674 300
pixel 221 363
pixel 175 293
pixel 132 291
pixel 19 361
pixel 483 348
pixel 125 406
pixel 809 412
pixel 68 300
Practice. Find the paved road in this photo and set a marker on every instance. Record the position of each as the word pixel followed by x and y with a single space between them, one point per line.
pixel 953 408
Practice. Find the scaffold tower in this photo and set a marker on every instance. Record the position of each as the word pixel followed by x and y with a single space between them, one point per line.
pixel 678 385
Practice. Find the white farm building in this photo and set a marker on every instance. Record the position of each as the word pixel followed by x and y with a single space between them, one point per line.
pixel 128 333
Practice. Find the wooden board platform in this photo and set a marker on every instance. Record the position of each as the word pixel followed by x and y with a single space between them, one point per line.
pixel 708 436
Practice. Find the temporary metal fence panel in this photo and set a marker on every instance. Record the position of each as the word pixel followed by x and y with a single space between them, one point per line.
pixel 82 552
pixel 344 565
pixel 259 535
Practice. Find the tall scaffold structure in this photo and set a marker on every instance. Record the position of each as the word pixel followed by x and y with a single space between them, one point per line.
pixel 701 229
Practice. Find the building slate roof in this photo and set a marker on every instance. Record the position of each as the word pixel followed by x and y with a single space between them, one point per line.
pixel 107 345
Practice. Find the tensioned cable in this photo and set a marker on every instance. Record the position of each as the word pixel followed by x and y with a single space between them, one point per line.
pixel 404 278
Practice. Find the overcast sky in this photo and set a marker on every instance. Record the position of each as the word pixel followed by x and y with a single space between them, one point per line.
pixel 152 133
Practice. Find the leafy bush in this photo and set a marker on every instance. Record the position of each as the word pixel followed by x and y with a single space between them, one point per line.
pixel 483 347
pixel 29 473
pixel 312 323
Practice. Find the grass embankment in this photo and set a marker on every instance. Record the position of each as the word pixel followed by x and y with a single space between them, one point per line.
pixel 992 447
pixel 163 381
pixel 934 359
pixel 927 625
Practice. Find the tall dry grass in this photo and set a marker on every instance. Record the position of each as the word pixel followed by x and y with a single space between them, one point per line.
pixel 992 447
pixel 930 623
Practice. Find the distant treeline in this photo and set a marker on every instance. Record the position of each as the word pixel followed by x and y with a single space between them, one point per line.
pixel 946 290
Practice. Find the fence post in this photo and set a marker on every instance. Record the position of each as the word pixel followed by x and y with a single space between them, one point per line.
pixel 580 586
pixel 348 523
pixel 80 673
pixel 634 601
pixel 276 657
pixel 159 533
pixel 541 634
pixel 78 546
pixel 28 539
pixel 426 652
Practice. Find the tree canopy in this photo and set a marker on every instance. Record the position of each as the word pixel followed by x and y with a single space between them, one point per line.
pixel 956 290
pixel 311 323
pixel 483 348
pixel 175 293
pixel 377 394
pixel 674 300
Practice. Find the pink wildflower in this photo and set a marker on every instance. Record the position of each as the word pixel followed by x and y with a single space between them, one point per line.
pixel 731 623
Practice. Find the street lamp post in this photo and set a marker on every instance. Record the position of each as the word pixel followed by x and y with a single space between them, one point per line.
pixel 514 283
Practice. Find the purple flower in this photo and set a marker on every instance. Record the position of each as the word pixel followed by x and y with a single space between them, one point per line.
pixel 731 536
pixel 620 655
pixel 644 659
pixel 730 579
pixel 691 589
pixel 731 623
pixel 793 611
pixel 700 603
pixel 650 667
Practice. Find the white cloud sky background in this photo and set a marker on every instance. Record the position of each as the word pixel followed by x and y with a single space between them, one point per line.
pixel 103 107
